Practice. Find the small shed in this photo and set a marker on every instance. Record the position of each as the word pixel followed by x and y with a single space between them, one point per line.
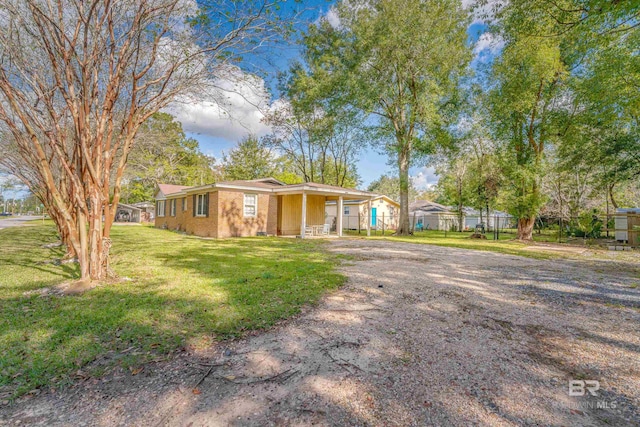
pixel 625 219
pixel 127 213
pixel 147 211
pixel 472 218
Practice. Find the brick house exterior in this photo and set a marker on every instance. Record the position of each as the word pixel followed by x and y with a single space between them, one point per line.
pixel 244 208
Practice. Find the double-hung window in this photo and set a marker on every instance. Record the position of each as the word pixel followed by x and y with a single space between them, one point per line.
pixel 160 208
pixel 346 210
pixel 250 205
pixel 184 204
pixel 173 207
pixel 201 205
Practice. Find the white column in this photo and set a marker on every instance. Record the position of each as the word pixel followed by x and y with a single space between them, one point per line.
pixel 369 218
pixel 303 223
pixel 340 213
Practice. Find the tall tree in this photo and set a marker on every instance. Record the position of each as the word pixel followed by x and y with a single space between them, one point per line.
pixel 399 62
pixel 526 101
pixel 250 159
pixel 78 78
pixel 163 154
pixel 320 140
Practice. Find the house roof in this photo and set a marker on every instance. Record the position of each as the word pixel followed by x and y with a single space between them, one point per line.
pixel 133 208
pixel 167 189
pixel 259 183
pixel 143 205
pixel 468 211
pixel 267 185
pixel 360 201
pixel 427 206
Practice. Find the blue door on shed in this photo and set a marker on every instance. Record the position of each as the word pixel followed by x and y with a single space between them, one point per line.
pixel 373 216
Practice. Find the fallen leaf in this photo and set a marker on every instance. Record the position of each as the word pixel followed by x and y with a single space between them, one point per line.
pixel 136 371
pixel 196 391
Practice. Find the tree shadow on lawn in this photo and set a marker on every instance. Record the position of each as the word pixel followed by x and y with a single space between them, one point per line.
pixel 187 293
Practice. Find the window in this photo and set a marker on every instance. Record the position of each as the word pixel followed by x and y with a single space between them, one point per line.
pixel 391 210
pixel 172 207
pixel 346 210
pixel 201 205
pixel 160 209
pixel 184 204
pixel 250 204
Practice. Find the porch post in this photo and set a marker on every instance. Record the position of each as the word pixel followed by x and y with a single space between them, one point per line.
pixel 369 217
pixel 340 213
pixel 303 223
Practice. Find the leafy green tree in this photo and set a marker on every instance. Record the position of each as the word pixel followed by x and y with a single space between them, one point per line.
pixel 318 137
pixel 398 62
pixel 592 118
pixel 250 159
pixel 527 104
pixel 389 186
pixel 163 154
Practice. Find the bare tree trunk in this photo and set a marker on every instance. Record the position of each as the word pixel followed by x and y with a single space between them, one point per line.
pixel 613 201
pixel 403 166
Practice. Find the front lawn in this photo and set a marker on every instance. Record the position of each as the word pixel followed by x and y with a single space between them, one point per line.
pixel 175 291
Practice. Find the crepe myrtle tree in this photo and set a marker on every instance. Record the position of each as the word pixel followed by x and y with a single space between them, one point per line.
pixel 79 77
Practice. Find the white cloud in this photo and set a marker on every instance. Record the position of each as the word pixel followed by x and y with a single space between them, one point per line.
pixel 333 18
pixel 233 107
pixel 425 179
pixel 488 43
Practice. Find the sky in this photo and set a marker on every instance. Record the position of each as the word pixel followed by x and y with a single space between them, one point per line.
pixel 219 128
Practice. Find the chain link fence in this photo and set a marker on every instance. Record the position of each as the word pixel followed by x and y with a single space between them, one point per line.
pixel 615 228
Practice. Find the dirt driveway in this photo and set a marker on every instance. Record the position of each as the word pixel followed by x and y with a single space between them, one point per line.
pixel 420 335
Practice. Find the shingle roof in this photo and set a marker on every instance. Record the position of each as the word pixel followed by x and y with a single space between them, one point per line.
pixel 171 188
pixel 258 183
pixel 427 206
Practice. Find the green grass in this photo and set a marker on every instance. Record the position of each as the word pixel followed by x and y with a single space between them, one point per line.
pixel 506 243
pixel 183 291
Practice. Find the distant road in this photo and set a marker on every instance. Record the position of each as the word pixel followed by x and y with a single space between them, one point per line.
pixel 16 221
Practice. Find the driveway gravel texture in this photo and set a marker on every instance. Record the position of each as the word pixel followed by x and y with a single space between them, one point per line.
pixel 420 335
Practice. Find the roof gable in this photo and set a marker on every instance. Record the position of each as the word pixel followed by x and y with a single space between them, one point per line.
pixel 168 189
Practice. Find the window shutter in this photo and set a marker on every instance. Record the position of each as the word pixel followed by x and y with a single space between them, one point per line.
pixel 206 205
pixel 165 208
pixel 194 205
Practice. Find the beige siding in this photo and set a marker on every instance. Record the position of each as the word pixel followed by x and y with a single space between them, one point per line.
pixel 291 212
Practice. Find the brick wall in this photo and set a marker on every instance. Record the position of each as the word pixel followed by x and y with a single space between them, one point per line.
pixel 233 223
pixel 226 217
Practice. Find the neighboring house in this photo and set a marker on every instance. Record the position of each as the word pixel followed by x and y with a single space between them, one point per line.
pixel 147 211
pixel 355 213
pixel 249 208
pixel 427 215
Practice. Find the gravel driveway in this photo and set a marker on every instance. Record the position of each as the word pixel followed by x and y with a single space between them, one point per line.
pixel 420 335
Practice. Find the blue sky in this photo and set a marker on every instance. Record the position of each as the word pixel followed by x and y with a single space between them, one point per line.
pixel 216 133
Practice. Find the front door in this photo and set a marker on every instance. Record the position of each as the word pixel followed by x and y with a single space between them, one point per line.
pixel 373 216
